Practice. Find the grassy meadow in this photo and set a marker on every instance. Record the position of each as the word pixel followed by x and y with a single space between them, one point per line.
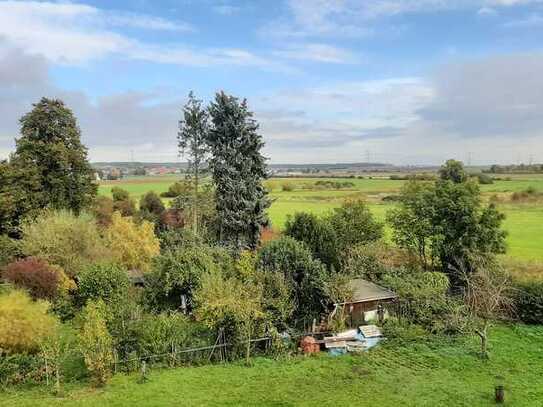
pixel 428 372
pixel 524 221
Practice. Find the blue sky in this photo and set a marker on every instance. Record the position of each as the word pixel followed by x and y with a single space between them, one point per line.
pixel 405 81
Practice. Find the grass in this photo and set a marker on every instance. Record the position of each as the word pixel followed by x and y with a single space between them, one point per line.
pixel 425 373
pixel 523 223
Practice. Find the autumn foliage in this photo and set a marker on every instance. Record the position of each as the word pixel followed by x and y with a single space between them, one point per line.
pixel 133 245
pixel 41 279
pixel 269 234
pixel 24 324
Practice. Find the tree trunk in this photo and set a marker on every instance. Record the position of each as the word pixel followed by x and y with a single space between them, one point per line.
pixel 195 201
pixel 484 339
pixel 248 349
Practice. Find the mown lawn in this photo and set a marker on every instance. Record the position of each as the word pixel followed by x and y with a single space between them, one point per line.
pixel 426 373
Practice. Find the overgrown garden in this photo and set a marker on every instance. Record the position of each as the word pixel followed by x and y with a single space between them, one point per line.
pixel 94 285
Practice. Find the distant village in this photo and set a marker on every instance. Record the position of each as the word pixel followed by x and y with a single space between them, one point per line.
pixel 118 170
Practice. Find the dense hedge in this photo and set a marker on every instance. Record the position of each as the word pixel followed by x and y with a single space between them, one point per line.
pixel 529 302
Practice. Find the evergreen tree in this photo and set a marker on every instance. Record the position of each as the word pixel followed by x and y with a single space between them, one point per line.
pixel 238 169
pixel 193 129
pixel 20 194
pixel 50 143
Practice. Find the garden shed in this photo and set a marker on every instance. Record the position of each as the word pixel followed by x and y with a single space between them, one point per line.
pixel 368 302
pixel 136 277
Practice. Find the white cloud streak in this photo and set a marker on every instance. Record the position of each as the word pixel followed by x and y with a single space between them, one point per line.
pixel 74 34
pixel 356 18
pixel 319 53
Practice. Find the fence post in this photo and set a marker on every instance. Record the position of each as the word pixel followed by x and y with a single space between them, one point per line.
pixel 46 373
pixel 143 377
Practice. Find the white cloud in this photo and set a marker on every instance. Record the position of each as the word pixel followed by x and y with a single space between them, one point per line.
pixel 144 22
pixel 490 106
pixel 510 3
pixel 226 9
pixel 356 18
pixel 487 11
pixel 533 20
pixel 317 52
pixel 68 33
pixel 304 122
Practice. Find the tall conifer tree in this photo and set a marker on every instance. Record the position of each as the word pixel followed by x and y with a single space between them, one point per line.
pixel 238 169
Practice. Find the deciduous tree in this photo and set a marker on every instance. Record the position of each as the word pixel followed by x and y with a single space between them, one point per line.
pixel 61 238
pixel 133 246
pixel 95 342
pixel 192 142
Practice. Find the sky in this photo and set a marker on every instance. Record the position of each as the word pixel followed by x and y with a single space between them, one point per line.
pixel 395 81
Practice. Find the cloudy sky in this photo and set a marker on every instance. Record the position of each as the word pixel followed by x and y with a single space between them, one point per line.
pixel 400 81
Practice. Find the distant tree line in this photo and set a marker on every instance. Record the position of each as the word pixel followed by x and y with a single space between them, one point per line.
pixel 514 168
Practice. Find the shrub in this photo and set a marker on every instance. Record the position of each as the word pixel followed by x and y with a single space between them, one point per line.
pixel 60 354
pixel 132 245
pixel 119 194
pixel 485 179
pixel 268 234
pixel 422 294
pixel 61 238
pixel 107 282
pixel 166 333
pixel 24 324
pixel 173 239
pixel 102 210
pixel 177 189
pixel 43 281
pixel 530 194
pixel 287 187
pixel 162 333
pixel 95 342
pixel 231 304
pixel 20 368
pixel 371 261
pixel 529 302
pixel 122 202
pixel 353 223
pixel 123 321
pixel 327 184
pixel 304 275
pixel 172 219
pixel 403 330
pixel 176 274
pixel 151 207
pixel 9 250
pixel 391 198
pixel 317 234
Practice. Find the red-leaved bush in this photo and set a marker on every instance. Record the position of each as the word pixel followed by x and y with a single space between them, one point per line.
pixel 172 218
pixel 269 234
pixel 41 279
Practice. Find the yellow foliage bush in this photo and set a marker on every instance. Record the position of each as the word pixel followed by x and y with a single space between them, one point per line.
pixel 95 342
pixel 133 245
pixel 61 238
pixel 24 324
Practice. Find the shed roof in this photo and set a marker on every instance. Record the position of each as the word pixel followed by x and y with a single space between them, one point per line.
pixel 136 277
pixel 365 291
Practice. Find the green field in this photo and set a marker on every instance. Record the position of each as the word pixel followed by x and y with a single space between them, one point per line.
pixel 524 222
pixel 425 373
